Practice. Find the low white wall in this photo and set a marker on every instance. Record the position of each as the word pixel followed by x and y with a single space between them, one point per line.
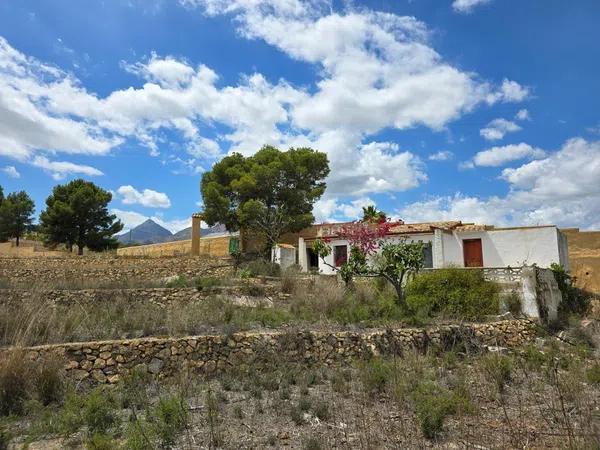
pixel 510 247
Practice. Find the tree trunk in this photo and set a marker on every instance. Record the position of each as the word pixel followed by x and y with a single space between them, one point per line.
pixel 399 293
pixel 80 250
pixel 17 240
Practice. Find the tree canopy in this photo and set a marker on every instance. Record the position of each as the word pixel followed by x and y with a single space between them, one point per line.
pixel 271 192
pixel 16 215
pixel 77 214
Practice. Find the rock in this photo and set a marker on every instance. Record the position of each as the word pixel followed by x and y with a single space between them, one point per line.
pixel 99 376
pixel 155 365
pixel 79 374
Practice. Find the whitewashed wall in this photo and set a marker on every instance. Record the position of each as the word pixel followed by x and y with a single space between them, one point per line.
pixel 326 270
pixel 510 247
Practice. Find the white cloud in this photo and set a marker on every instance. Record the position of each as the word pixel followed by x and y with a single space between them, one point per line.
pixel 11 171
pixel 498 128
pixel 497 156
pixel 375 71
pixel 523 114
pixel 561 189
pixel 467 6
pixel 148 197
pixel 60 169
pixel 331 209
pixel 132 219
pixel 444 155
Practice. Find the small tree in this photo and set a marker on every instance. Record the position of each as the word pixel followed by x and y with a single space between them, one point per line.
pixel 16 212
pixel 269 193
pixel 394 262
pixel 77 214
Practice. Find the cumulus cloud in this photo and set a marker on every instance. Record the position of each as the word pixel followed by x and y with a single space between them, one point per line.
pixel 498 156
pixel 332 209
pixel 60 169
pixel 148 197
pixel 11 171
pixel 443 155
pixel 561 188
pixel 467 6
pixel 498 128
pixel 523 114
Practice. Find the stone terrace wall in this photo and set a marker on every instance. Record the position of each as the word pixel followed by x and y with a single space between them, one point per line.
pixel 107 361
pixel 158 296
pixel 108 268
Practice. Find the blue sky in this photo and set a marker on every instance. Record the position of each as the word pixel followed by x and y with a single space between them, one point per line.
pixel 477 110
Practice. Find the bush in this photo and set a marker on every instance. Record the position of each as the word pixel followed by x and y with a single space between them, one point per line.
pixel 98 411
pixel 15 384
pixel 433 404
pixel 453 292
pixel 134 389
pixel 179 282
pixel 376 374
pixel 206 283
pixel 261 267
pixel 593 374
pixel 169 417
pixel 137 436
pixel 498 368
pixel 573 299
pixel 100 441
pixel 49 380
pixel 5 438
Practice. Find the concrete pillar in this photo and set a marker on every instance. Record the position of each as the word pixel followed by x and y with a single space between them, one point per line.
pixel 438 248
pixel 196 231
pixel 302 254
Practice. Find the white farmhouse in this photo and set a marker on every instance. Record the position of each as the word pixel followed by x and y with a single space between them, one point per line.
pixel 451 243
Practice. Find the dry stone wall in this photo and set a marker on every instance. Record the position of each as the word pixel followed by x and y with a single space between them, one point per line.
pixel 108 361
pixel 106 269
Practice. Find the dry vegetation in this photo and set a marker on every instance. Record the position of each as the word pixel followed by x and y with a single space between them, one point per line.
pixel 546 395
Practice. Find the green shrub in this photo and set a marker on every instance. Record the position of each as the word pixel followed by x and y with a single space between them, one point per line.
pixel 15 382
pixel 297 416
pixel 573 299
pixel 452 292
pixel 260 267
pixel 433 403
pixel 179 282
pixel 49 380
pixel 5 437
pixel 134 387
pixel 206 283
pixel 137 436
pixel 376 374
pixel 169 417
pixel 513 303
pixel 100 441
pixel 498 368
pixel 312 443
pixel 592 374
pixel 70 418
pixel 321 410
pixel 98 411
pixel 213 417
pixel 253 290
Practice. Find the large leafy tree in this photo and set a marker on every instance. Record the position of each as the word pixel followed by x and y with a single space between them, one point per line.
pixel 77 214
pixel 270 193
pixel 16 215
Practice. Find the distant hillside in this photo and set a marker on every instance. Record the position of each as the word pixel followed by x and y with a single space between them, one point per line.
pixel 187 232
pixel 148 232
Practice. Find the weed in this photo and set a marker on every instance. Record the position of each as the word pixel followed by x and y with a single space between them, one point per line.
pixel 304 404
pixel 15 382
pixel 69 419
pixel 376 373
pixel 238 412
pixel 49 380
pixel 98 411
pixel 499 369
pixel 592 374
pixel 134 386
pixel 433 404
pixel 262 267
pixel 179 282
pixel 214 420
pixel 5 437
pixel 312 443
pixel 100 441
pixel 137 436
pixel 297 416
pixel 513 303
pixel 206 283
pixel 321 410
pixel 169 417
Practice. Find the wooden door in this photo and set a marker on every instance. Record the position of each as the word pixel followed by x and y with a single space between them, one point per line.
pixel 472 252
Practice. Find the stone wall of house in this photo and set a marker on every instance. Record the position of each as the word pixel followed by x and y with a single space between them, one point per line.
pixel 108 361
pixel 214 246
pixel 90 270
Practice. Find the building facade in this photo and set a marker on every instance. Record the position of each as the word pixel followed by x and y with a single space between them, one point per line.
pixel 450 244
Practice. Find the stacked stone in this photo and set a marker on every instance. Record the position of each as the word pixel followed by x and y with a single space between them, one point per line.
pixel 107 361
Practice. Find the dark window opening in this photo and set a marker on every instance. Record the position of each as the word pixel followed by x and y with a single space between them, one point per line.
pixel 427 256
pixel 340 255
pixel 312 259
